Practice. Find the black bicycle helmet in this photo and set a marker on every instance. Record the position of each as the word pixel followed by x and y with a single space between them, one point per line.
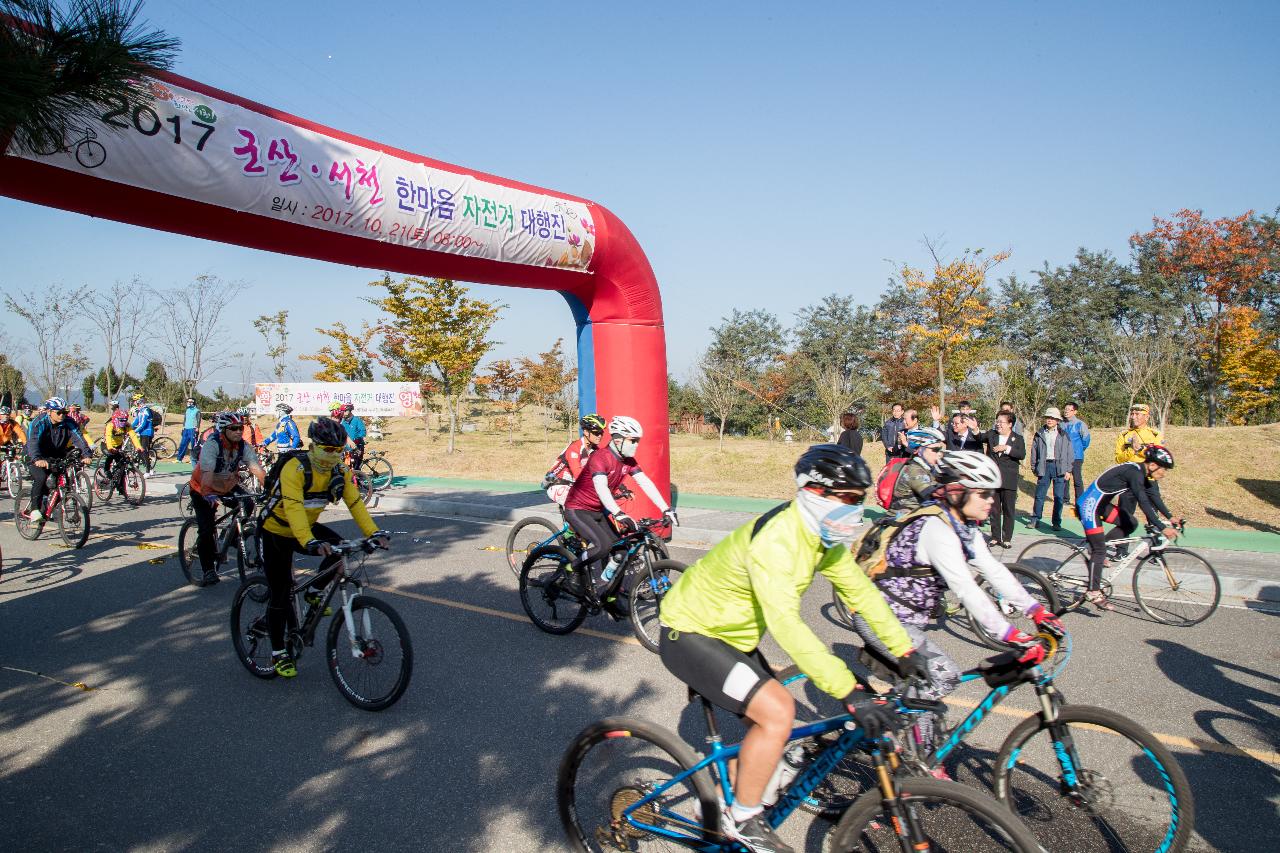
pixel 328 432
pixel 592 423
pixel 834 467
pixel 1158 454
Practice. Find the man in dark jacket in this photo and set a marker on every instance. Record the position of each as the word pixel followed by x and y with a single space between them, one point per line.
pixel 851 433
pixel 1051 459
pixel 889 433
pixel 962 433
pixel 1008 450
pixel 52 436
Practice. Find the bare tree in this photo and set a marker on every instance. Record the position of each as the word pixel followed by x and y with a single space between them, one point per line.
pixel 51 313
pixel 274 329
pixel 122 316
pixel 68 367
pixel 192 340
pixel 1132 357
pixel 835 390
pixel 720 388
pixel 1170 375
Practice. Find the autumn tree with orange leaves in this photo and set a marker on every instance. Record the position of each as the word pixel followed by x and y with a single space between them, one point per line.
pixel 1225 267
pixel 955 304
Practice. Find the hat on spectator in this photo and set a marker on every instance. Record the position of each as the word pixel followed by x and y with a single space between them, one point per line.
pixel 1140 407
pixel 1052 412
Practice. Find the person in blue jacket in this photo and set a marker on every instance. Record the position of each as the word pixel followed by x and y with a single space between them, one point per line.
pixel 286 432
pixel 190 426
pixel 143 426
pixel 355 432
pixel 51 437
pixel 1078 432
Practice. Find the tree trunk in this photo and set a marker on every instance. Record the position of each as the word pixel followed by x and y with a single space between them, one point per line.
pixel 942 393
pixel 721 450
pixel 453 421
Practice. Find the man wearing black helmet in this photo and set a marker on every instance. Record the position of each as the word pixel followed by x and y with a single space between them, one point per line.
pixel 308 482
pixel 1105 501
pixel 752 582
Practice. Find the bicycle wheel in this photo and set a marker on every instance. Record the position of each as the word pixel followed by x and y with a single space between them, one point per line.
pixel 950 815
pixel 647 589
pixel 612 765
pixel 27 528
pixel 371 661
pixel 248 556
pixel 1121 790
pixel 364 485
pixel 188 559
pixel 1035 585
pixel 843 616
pixel 249 627
pixel 164 447
pixel 379 472
pixel 849 779
pixel 184 501
pixel 13 478
pixel 73 519
pixel 548 604
pixel 1177 587
pixel 526 535
pixel 1046 555
pixel 102 484
pixel 135 486
pixel 1071 578
pixel 82 483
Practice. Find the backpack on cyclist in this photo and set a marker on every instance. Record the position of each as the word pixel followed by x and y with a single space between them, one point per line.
pixel 271 495
pixel 888 481
pixel 870 547
pixel 157 418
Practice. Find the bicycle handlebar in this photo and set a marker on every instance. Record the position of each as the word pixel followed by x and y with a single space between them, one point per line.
pixel 347 547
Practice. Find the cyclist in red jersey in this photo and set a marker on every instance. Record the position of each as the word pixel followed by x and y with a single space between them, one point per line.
pixel 590 500
pixel 569 463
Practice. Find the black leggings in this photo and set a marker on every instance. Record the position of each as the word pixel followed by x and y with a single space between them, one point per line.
pixel 39 486
pixel 1125 523
pixel 595 530
pixel 277 564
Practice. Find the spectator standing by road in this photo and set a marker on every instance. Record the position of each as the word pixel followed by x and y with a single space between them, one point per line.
pixel 1078 431
pixel 1007 406
pixel 1051 460
pixel 891 430
pixel 190 423
pixel 1008 449
pixel 851 433
pixel 962 433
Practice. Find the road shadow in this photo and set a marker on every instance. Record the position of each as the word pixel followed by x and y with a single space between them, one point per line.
pixel 1211 772
pixel 465 761
pixel 1268 601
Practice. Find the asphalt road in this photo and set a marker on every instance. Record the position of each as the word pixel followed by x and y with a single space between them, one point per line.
pixel 127 724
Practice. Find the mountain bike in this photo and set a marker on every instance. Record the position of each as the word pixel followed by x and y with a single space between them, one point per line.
pixel 1036 585
pixel 1171 585
pixel 367 645
pixel 235 529
pixel 115 472
pixel 535 532
pixel 557 604
pixel 1064 770
pixel 62 502
pixel 625 784
pixel 164 447
pixel 378 470
pixel 12 470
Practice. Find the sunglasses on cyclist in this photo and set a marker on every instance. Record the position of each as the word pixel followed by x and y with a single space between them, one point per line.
pixel 233 429
pixel 984 494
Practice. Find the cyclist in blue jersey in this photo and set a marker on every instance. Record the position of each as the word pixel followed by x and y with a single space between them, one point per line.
pixel 355 433
pixel 286 431
pixel 51 437
pixel 1102 502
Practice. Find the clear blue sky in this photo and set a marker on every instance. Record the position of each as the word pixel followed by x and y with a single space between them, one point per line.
pixel 763 158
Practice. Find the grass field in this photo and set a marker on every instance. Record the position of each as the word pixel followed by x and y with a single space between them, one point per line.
pixel 1227 477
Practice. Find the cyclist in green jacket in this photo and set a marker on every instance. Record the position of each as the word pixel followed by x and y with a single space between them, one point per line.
pixel 752 581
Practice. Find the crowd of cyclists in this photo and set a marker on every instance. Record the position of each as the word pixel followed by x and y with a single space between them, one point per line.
pixel 715 616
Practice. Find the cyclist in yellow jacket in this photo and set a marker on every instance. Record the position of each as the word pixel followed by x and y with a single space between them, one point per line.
pixel 752 581
pixel 308 483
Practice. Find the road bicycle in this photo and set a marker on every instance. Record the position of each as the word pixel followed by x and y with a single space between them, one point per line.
pixel 536 532
pixel 235 529
pixel 558 605
pixel 377 468
pixel 12 470
pixel 1171 585
pixel 1068 771
pixel 116 472
pixel 367 646
pixel 1036 585
pixel 626 784
pixel 63 502
pixel 89 152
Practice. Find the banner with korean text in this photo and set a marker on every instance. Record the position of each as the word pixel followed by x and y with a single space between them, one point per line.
pixel 194 146
pixel 371 399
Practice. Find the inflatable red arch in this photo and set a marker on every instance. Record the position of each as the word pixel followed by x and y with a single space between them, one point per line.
pixel 207 163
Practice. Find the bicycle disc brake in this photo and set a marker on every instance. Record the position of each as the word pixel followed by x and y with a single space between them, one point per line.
pixel 1095 794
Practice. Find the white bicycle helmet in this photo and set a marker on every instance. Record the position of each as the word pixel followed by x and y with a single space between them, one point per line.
pixel 970 469
pixel 624 427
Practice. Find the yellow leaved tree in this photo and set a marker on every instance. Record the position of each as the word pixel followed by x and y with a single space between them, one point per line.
pixel 352 359
pixel 1250 363
pixel 954 304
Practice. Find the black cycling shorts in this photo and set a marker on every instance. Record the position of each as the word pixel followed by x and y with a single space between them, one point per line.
pixel 727 677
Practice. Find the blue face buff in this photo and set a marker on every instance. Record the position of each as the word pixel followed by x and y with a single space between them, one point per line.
pixel 841 526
